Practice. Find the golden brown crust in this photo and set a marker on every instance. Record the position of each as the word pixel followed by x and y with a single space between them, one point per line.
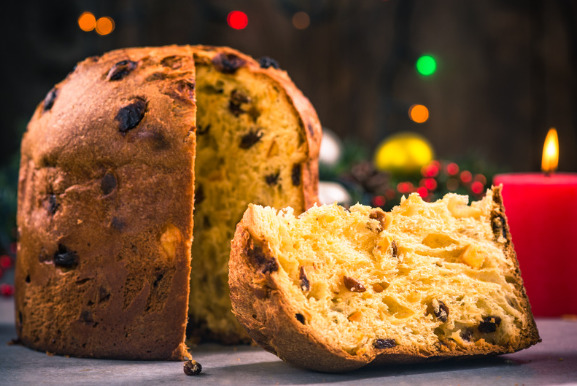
pixel 267 313
pixel 501 224
pixel 268 317
pixel 104 217
pixel 108 197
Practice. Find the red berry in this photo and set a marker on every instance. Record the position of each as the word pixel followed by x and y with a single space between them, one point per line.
pixel 5 261
pixel 6 290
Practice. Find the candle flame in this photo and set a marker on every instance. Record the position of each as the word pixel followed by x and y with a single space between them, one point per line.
pixel 550 152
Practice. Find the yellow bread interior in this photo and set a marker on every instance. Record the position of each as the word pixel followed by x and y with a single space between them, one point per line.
pixel 432 276
pixel 250 149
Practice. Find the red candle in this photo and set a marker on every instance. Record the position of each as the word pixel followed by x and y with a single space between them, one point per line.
pixel 542 213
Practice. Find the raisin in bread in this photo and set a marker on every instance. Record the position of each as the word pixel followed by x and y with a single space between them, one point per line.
pixel 335 290
pixel 106 192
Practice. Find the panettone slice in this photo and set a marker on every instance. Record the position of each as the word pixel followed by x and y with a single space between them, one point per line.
pixel 336 289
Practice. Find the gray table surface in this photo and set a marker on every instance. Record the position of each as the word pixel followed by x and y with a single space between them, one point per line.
pixel 551 362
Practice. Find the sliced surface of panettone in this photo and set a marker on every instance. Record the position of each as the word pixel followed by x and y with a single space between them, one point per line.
pixel 257 142
pixel 336 289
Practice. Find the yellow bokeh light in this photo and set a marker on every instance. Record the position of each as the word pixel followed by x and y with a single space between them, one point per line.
pixel 404 152
pixel 104 25
pixel 301 20
pixel 419 113
pixel 87 21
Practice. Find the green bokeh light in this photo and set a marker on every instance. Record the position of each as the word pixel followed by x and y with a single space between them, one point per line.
pixel 426 65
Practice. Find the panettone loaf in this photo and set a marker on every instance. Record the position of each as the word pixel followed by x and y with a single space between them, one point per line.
pixel 335 290
pixel 107 190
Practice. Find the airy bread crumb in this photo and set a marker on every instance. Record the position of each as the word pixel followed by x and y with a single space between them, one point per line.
pixel 337 289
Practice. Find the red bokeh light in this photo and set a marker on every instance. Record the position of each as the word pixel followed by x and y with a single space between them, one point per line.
pixel 405 187
pixel 430 183
pixel 390 194
pixel 237 20
pixel 466 176
pixel 379 201
pixel 481 178
pixel 430 170
pixel 477 187
pixel 6 290
pixel 423 192
pixel 5 262
pixel 452 169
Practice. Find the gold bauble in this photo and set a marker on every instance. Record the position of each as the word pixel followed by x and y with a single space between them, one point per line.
pixel 404 152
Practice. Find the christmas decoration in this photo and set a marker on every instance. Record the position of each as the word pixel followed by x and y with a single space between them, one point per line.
pixel 331 148
pixel 331 192
pixel 368 184
pixel 403 153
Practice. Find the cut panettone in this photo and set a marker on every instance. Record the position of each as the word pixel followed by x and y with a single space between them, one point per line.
pixel 335 290
pixel 112 162
pixel 248 151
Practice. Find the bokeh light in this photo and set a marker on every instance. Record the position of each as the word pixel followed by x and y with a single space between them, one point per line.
pixel 419 113
pixel 301 20
pixel 423 192
pixel 237 20
pixel 390 194
pixel 405 187
pixel 426 65
pixel 379 201
pixel 104 25
pixel 477 187
pixel 452 184
pixel 429 183
pixel 87 21
pixel 481 178
pixel 431 170
pixel 466 176
pixel 5 262
pixel 452 169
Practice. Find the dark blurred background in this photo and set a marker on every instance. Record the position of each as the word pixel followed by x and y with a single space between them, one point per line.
pixel 506 70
